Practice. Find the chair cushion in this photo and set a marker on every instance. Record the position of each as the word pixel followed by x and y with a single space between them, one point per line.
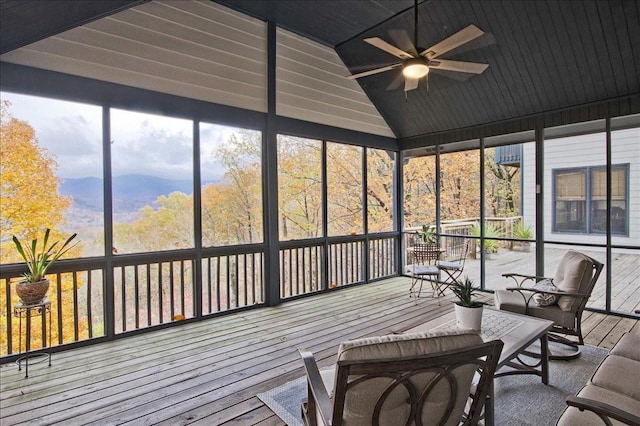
pixel 362 396
pixel 422 270
pixel 620 375
pixel 452 266
pixel 513 301
pixel 572 416
pixel 628 346
pixel 573 275
pixel 396 346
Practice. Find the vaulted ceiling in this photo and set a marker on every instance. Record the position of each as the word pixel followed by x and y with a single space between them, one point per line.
pixel 544 55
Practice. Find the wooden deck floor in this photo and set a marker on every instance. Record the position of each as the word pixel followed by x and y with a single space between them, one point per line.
pixel 210 372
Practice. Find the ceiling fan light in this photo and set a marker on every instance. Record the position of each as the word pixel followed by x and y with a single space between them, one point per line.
pixel 415 68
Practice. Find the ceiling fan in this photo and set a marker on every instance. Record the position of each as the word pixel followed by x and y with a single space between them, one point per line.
pixel 417 65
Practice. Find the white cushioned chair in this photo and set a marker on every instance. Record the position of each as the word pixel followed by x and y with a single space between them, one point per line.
pixel 575 279
pixel 405 379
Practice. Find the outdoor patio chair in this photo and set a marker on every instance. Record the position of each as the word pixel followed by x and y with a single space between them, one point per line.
pixel 561 299
pixel 423 267
pixel 454 265
pixel 419 379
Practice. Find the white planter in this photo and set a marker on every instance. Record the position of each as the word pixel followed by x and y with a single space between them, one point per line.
pixel 468 318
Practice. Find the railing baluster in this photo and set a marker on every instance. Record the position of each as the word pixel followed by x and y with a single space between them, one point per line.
pixel 172 296
pixel 89 304
pixel 182 295
pixel 218 295
pixel 244 279
pixel 124 299
pixel 209 284
pixel 160 291
pixel 149 307
pixel 59 307
pixel 290 280
pixel 136 286
pixel 76 316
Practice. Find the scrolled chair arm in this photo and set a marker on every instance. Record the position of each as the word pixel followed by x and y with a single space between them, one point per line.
pixel 603 410
pixel 520 279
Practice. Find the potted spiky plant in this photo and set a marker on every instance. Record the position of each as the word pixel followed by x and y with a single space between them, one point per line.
pixel 523 231
pixel 468 311
pixel 34 286
pixel 427 234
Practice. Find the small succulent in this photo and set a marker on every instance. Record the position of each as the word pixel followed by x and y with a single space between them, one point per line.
pixel 464 291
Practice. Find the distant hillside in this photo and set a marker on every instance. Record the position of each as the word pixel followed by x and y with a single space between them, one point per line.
pixel 131 192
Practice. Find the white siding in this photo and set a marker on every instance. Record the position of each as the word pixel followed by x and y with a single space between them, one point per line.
pixel 625 148
pixel 529 185
pixel 311 86
pixel 584 151
pixel 201 50
pixel 195 49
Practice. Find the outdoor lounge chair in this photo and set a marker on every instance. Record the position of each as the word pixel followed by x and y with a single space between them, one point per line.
pixel 575 279
pixel 421 379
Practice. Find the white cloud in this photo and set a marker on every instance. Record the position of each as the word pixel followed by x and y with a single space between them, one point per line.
pixel 141 143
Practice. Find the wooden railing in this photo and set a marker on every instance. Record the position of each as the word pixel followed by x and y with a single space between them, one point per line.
pixel 232 281
pixel 302 263
pixel 76 293
pixel 143 291
pixel 301 268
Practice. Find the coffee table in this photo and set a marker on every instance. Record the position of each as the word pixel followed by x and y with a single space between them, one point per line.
pixel 517 332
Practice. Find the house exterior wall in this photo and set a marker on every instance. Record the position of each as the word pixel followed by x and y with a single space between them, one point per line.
pixel 528 171
pixel 581 151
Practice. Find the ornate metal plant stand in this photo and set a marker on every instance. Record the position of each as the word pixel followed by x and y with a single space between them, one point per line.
pixel 26 312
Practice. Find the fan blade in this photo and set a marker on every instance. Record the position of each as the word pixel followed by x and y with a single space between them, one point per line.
pixel 374 71
pixel 389 48
pixel 461 37
pixel 410 83
pixel 402 39
pixel 459 66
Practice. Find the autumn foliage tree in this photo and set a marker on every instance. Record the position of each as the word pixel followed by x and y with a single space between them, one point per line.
pixel 459 187
pixel 29 203
pixel 380 190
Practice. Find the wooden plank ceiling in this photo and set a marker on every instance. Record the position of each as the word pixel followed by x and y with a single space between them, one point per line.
pixel 548 55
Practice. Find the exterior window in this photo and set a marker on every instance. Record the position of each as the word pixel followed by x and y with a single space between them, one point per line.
pixel 618 200
pixel 581 200
pixel 570 187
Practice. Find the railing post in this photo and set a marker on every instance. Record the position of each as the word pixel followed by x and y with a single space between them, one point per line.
pixel 270 177
pixel 107 283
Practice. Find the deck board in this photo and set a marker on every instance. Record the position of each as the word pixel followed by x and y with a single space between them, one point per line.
pixel 210 372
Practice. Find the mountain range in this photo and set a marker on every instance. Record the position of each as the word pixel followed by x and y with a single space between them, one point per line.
pixel 130 192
